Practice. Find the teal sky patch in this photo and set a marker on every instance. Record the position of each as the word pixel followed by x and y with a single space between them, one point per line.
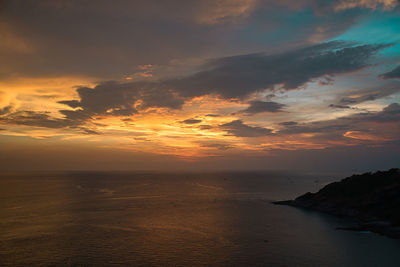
pixel 378 27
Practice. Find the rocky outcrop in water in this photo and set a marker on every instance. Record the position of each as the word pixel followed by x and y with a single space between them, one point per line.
pixel 373 199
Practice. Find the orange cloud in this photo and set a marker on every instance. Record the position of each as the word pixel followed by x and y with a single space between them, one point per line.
pixel 364 136
pixel 224 10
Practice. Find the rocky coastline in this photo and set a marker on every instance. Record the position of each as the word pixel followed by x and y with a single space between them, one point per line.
pixel 371 199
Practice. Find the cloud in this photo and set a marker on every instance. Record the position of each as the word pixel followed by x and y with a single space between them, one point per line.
pixel 112 98
pixel 239 129
pixel 288 123
pixel 330 126
pixel 76 117
pixel 391 113
pixel 224 11
pixel 89 131
pixel 261 106
pixel 230 77
pixel 393 108
pixel 5 110
pixel 205 127
pixel 162 76
pixel 368 94
pixel 239 76
pixel 393 74
pixel 217 146
pixel 371 4
pixel 235 77
pixel 118 99
pixel 191 121
pixel 72 120
pixel 363 122
pixel 326 81
pixel 102 40
pixel 39 119
pixel 339 106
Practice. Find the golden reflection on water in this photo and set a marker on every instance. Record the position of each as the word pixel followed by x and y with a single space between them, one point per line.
pixel 69 218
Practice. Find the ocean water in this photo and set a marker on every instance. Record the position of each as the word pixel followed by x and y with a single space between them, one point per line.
pixel 175 219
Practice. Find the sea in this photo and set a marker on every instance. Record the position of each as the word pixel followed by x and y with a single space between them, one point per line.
pixel 176 219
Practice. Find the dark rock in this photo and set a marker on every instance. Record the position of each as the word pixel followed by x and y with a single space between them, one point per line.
pixel 283 202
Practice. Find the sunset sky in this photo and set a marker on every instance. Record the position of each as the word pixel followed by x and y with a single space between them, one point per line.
pixel 199 85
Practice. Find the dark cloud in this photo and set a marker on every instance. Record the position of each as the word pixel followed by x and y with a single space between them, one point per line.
pixel 239 76
pixel 339 106
pixel 368 94
pixel 205 127
pixel 331 126
pixel 391 113
pixel 103 40
pixel 76 116
pixel 118 99
pixel 393 74
pixel 393 108
pixel 239 129
pixel 71 103
pixel 191 121
pixel 39 119
pixel 72 120
pixel 111 97
pixel 91 132
pixel 337 127
pixel 217 146
pixel 5 110
pixel 359 99
pixel 261 106
pixel 288 123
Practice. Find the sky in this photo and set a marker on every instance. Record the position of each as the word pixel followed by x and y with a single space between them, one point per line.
pixel 300 85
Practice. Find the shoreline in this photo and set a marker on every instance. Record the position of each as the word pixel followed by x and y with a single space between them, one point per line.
pixel 370 199
pixel 381 227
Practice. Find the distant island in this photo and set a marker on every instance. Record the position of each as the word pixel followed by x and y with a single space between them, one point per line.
pixel 373 199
